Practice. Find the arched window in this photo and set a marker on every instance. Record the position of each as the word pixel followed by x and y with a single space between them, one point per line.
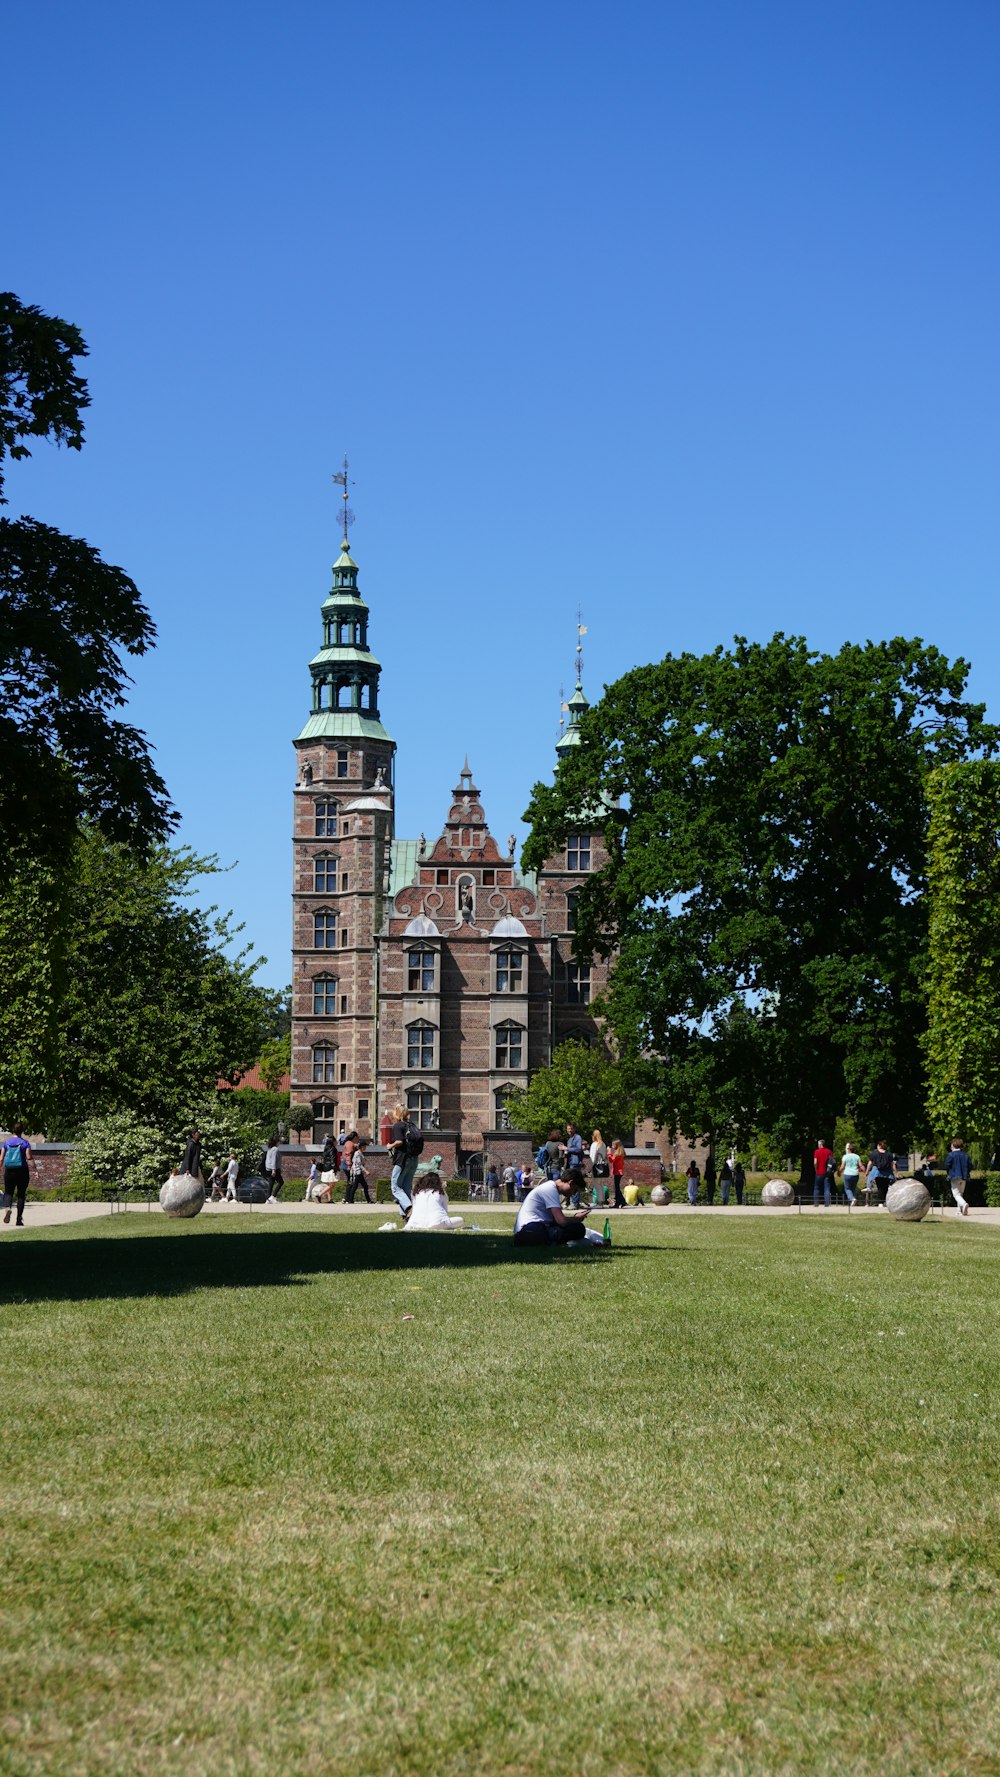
pixel 343 694
pixel 345 633
pixel 420 1106
pixel 420 1046
pixel 509 1046
pixel 324 930
pixel 500 1097
pixel 366 695
pixel 324 875
pixel 326 820
pixel 510 971
pixel 324 1064
pixel 324 996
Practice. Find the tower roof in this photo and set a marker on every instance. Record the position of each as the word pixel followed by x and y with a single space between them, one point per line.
pixel 344 673
pixel 577 704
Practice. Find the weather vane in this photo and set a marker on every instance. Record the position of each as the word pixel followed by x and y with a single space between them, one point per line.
pixel 341 480
pixel 563 707
pixel 581 630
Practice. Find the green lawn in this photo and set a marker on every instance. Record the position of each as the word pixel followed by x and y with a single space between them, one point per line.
pixel 722 1500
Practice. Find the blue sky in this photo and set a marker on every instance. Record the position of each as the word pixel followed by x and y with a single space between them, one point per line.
pixel 686 315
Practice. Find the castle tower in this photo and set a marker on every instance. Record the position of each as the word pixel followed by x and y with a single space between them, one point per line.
pixel 343 827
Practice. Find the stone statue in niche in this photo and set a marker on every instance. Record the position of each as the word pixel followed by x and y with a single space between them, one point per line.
pixel 307 773
pixel 465 904
pixel 380 783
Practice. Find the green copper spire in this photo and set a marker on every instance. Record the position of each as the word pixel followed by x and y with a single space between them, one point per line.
pixel 345 674
pixel 570 737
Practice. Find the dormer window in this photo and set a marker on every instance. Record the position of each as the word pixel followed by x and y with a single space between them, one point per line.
pixel 578 852
pixel 509 971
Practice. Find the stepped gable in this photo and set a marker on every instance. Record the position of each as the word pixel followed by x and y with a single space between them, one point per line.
pixel 464 883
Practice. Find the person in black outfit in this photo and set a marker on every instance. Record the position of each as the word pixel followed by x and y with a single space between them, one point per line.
pixel 739 1181
pixel 191 1163
pixel 710 1178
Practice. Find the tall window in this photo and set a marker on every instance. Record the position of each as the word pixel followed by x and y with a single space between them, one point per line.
pixel 324 931
pixel 420 1106
pixel 324 875
pixel 342 762
pixel 420 1047
pixel 509 1046
pixel 326 820
pixel 571 901
pixel 578 852
pixel 323 1115
pixel 578 984
pixel 324 996
pixel 420 971
pixel 324 1065
pixel 501 1113
pixel 510 971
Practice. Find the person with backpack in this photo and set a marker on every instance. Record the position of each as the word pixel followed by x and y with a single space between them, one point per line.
pixel 17 1157
pixel 406 1144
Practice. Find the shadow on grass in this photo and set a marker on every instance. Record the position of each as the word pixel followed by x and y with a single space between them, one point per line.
pixel 134 1263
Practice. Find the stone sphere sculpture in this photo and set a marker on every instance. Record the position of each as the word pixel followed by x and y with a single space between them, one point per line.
pixel 660 1195
pixel 908 1201
pixel 778 1192
pixel 182 1195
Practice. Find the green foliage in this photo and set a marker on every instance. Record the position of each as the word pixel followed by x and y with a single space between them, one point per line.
pixel 66 616
pixel 261 1111
pixel 991 1188
pixel 42 395
pixel 142 1004
pixel 275 1060
pixel 223 1125
pixel 766 876
pixel 120 1148
pixel 963 963
pixel 584 1086
pixel 299 1117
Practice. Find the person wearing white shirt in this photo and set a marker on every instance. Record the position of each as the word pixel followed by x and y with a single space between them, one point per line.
pixel 544 1220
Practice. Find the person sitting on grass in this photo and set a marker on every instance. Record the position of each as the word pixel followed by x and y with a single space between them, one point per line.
pixel 544 1218
pixel 429 1214
pixel 632 1195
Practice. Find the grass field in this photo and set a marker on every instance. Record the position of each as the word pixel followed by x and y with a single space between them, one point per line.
pixel 722 1500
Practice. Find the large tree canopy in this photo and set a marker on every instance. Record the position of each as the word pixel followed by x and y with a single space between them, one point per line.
pixel 66 619
pixel 963 977
pixel 766 876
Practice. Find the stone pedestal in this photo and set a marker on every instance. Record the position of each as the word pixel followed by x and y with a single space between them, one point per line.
pixel 182 1195
pixel 778 1193
pixel 908 1201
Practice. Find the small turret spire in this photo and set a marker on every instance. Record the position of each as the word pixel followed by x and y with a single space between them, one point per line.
pixel 570 712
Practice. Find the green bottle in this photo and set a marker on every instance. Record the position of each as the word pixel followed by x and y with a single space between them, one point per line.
pixel 607 1230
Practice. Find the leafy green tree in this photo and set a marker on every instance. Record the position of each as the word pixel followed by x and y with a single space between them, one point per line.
pixel 66 618
pixel 963 964
pixel 155 1005
pixel 584 1086
pixel 121 1148
pixel 275 1061
pixel 765 890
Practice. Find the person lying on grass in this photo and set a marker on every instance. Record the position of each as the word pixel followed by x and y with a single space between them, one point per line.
pixel 544 1218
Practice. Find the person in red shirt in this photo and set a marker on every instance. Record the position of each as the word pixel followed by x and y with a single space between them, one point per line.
pixel 823 1164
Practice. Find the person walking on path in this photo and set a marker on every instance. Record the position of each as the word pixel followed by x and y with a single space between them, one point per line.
pixel 956 1164
pixel 191 1161
pixel 616 1161
pixel 509 1177
pixel 739 1180
pixel 710 1177
pixel 405 1146
pixel 850 1166
pixel 17 1157
pixel 882 1169
pixel 359 1173
pixel 822 1157
pixel 599 1168
pixel 693 1177
pixel 232 1177
pixel 272 1172
pixel 725 1181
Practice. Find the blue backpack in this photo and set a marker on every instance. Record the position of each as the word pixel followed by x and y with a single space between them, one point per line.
pixel 13 1154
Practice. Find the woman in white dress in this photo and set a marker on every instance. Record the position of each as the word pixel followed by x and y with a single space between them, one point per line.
pixel 430 1207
